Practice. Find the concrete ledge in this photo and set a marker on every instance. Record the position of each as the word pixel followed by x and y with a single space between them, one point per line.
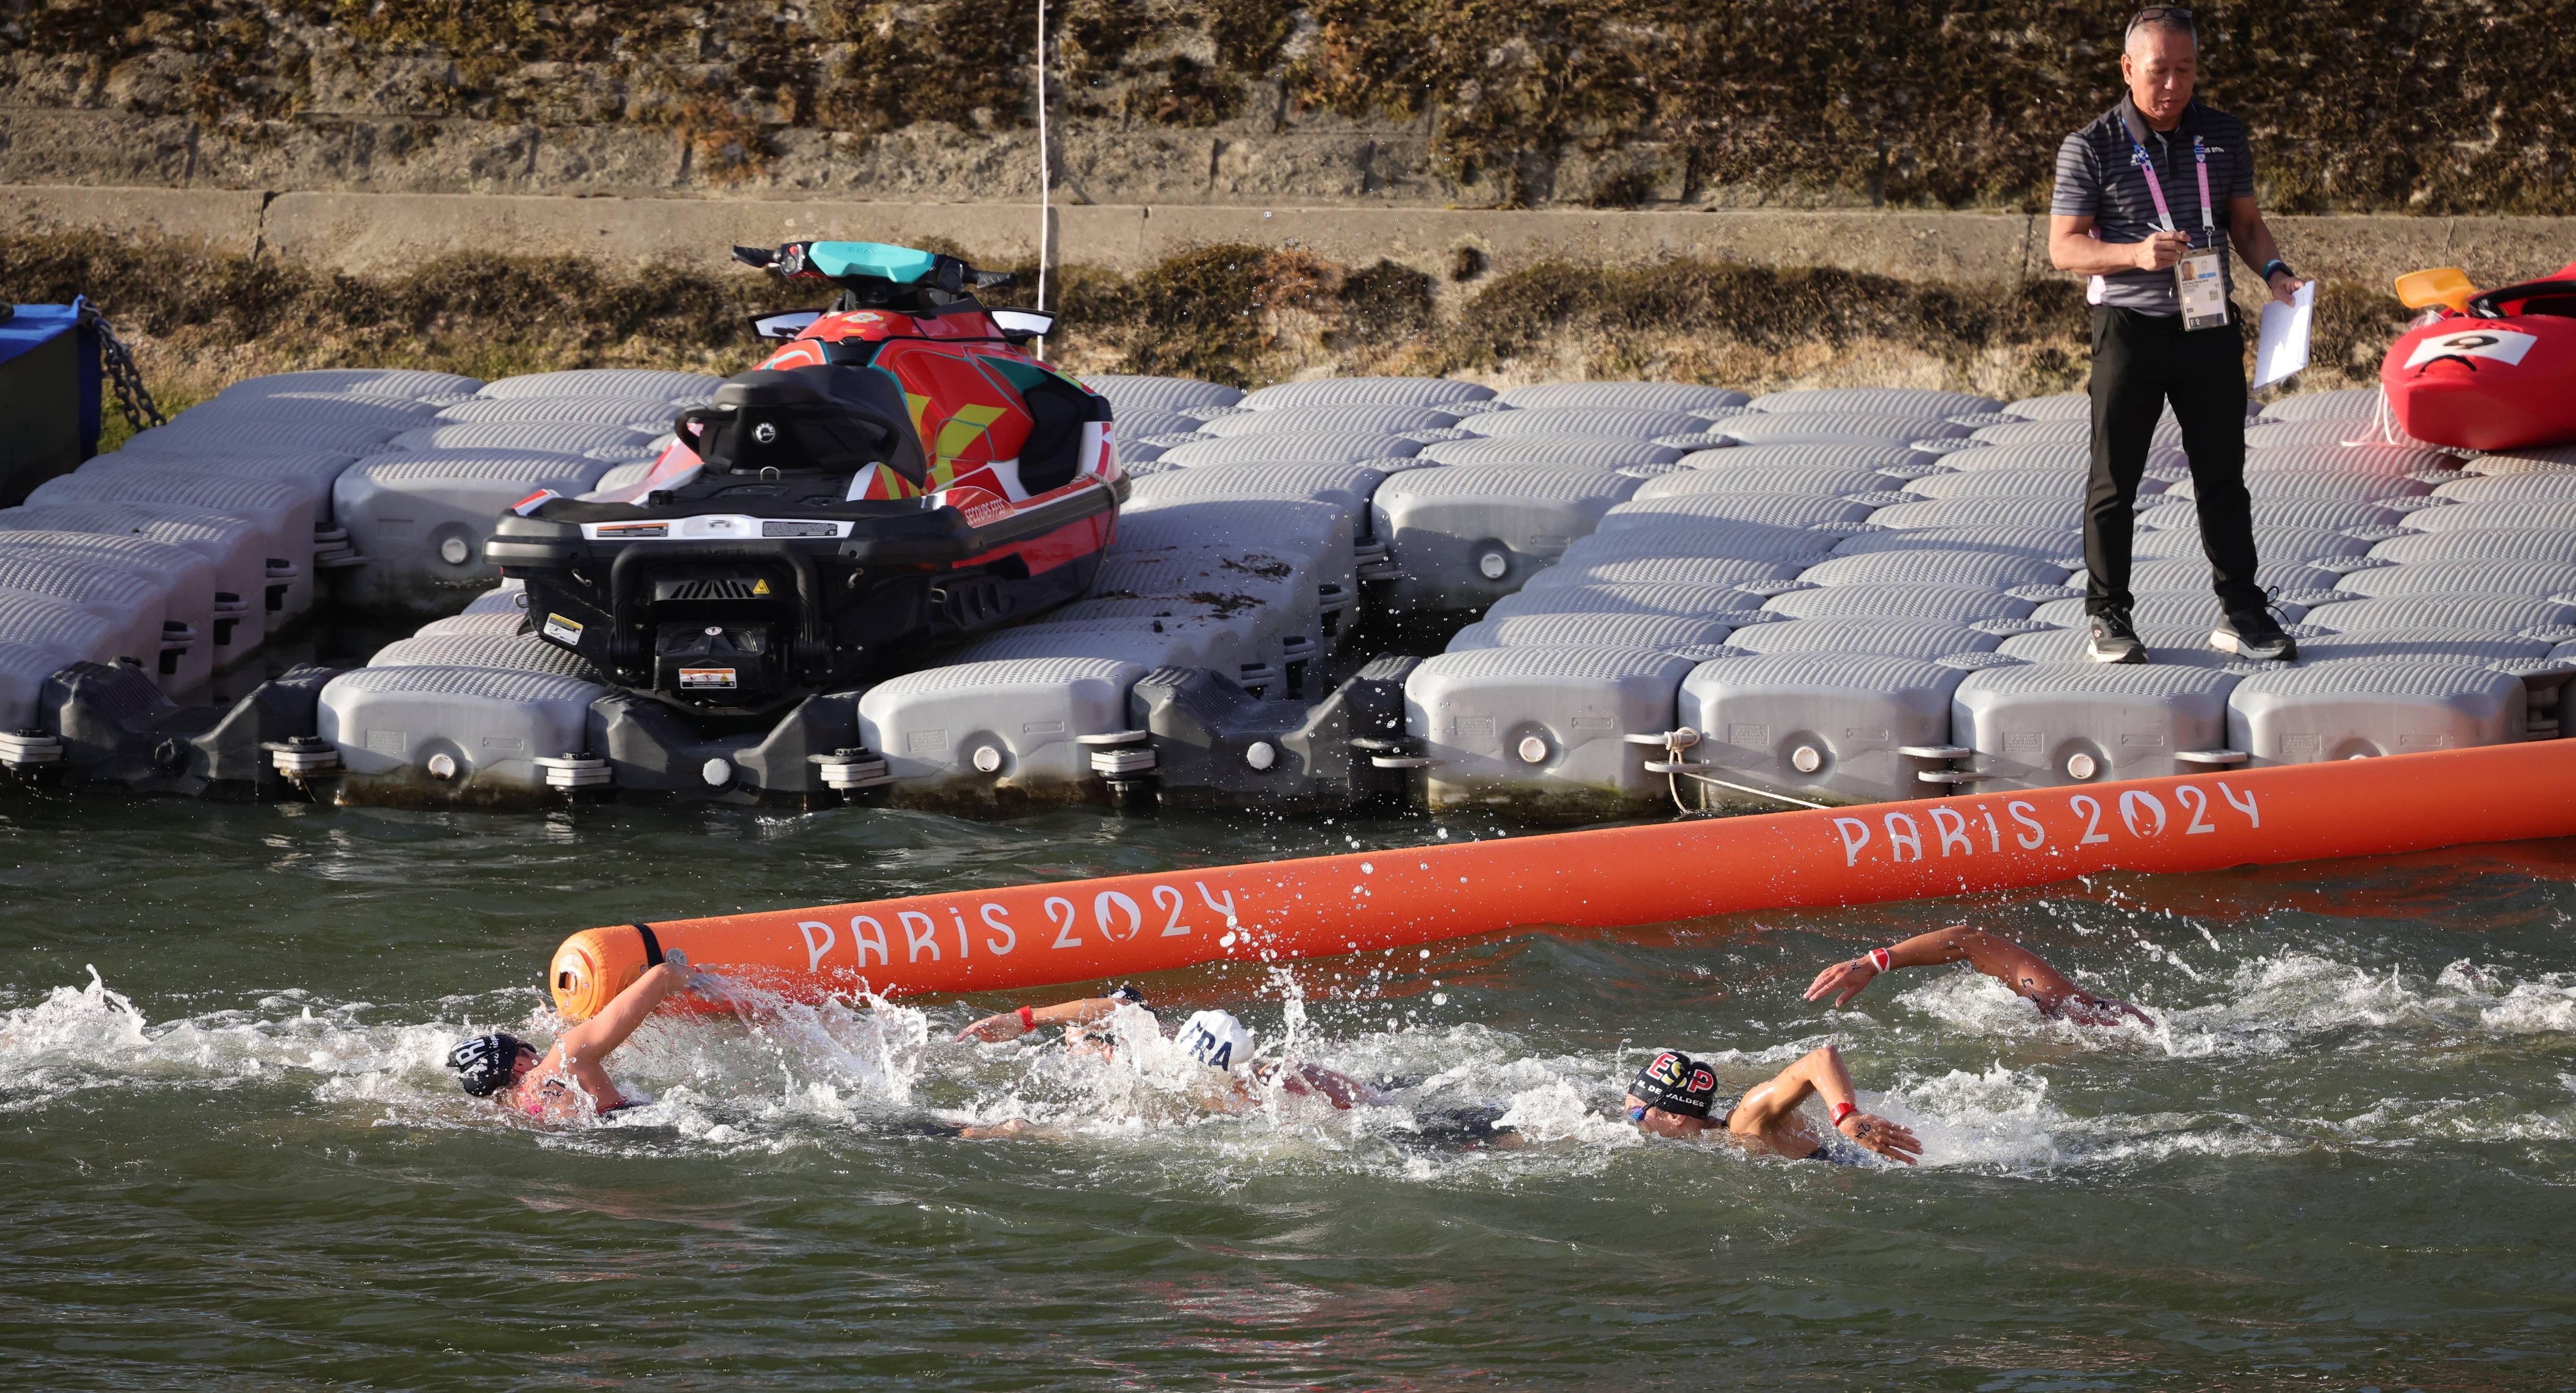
pixel 222 220
pixel 377 233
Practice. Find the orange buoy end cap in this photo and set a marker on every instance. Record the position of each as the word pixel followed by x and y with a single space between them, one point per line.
pixel 592 967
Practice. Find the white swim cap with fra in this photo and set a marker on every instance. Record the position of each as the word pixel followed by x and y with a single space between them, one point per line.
pixel 1216 1039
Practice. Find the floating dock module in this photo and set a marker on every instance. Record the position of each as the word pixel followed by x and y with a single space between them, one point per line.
pixel 236 547
pixel 1162 393
pixel 2042 726
pixel 1764 479
pixel 1625 396
pixel 607 382
pixel 1466 536
pixel 1543 730
pixel 1658 632
pixel 1983 570
pixel 1875 401
pixel 423 735
pixel 1337 391
pixel 422 518
pixel 2366 709
pixel 283 509
pixel 191 607
pixel 1950 604
pixel 1611 523
pixel 1335 448
pixel 1351 420
pixel 1722 572
pixel 1583 421
pixel 995 733
pixel 2475 613
pixel 1922 639
pixel 1724 603
pixel 1822 428
pixel 1598 453
pixel 1829 727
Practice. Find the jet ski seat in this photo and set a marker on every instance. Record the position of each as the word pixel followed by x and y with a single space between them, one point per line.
pixel 818 419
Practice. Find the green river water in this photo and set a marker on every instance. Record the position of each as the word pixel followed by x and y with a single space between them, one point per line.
pixel 2345 1158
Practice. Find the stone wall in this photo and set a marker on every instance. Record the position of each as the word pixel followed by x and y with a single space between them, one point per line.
pixel 2447 107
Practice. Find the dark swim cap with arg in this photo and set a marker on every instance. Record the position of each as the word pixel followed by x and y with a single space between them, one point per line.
pixel 483 1063
pixel 1677 1083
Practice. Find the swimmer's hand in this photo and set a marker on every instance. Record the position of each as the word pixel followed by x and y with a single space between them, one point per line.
pixel 1005 1026
pixel 1844 977
pixel 691 979
pixel 1880 1135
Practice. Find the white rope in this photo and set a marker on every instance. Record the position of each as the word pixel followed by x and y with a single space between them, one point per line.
pixel 2379 421
pixel 1740 788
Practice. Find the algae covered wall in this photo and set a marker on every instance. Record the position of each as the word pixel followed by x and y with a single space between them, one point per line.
pixel 2460 107
pixel 1234 313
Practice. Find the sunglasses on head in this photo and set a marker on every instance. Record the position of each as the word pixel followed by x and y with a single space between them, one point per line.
pixel 2156 12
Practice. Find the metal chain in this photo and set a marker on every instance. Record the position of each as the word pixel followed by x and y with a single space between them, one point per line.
pixel 133 399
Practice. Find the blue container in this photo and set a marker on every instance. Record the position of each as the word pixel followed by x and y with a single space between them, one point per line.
pixel 49 396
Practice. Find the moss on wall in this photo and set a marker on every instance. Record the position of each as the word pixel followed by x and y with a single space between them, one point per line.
pixel 1237 314
pixel 2437 106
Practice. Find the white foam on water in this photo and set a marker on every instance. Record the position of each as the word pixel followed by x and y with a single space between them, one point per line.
pixel 2269 1005
pixel 2273 1003
pixel 776 1067
pixel 91 1037
pixel 776 1075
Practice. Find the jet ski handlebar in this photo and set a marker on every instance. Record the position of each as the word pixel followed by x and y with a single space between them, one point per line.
pixel 851 264
pixel 2490 304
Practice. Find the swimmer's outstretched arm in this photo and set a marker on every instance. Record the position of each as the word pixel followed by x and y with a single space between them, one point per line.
pixel 1765 1112
pixel 1011 1025
pixel 1992 954
pixel 582 1051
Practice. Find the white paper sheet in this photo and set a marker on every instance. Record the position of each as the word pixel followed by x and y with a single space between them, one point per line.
pixel 2282 347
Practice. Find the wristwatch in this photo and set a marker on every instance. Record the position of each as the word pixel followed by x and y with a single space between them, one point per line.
pixel 2277 267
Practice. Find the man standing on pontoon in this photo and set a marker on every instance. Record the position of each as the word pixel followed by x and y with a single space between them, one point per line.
pixel 2149 199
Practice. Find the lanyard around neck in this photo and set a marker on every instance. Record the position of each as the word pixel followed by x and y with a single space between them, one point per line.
pixel 2156 190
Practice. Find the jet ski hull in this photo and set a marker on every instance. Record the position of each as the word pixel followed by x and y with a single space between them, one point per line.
pixel 737 614
pixel 2500 375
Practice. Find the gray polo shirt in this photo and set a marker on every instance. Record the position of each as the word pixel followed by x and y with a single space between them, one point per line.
pixel 2098 177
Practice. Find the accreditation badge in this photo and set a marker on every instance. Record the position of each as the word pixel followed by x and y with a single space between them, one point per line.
pixel 2200 279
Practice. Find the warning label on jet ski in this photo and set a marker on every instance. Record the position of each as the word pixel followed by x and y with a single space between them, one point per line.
pixel 2503 345
pixel 562 630
pixel 707 679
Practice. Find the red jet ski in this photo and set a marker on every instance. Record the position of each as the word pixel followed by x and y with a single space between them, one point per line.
pixel 2488 370
pixel 902 470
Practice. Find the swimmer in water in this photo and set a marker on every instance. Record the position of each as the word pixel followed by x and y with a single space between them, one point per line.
pixel 1676 1096
pixel 1997 957
pixel 1214 1039
pixel 569 1081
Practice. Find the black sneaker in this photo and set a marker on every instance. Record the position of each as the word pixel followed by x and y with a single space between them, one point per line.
pixel 2253 633
pixel 2115 639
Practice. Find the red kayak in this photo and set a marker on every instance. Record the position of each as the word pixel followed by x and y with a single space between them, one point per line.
pixel 2492 370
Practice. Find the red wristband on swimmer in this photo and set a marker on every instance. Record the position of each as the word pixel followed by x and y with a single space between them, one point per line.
pixel 1879 959
pixel 1843 1110
pixel 1028 1022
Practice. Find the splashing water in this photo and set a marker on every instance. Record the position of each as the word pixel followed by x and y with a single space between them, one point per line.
pixel 2346 1139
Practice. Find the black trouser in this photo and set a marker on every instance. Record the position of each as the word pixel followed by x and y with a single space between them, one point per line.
pixel 2140 361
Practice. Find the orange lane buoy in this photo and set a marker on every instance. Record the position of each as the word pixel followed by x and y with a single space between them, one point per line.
pixel 1076 931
